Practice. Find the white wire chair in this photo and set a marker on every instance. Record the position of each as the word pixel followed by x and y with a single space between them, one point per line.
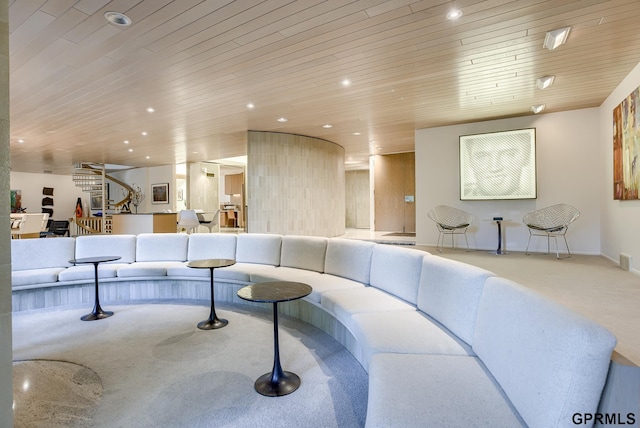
pixel 450 221
pixel 551 222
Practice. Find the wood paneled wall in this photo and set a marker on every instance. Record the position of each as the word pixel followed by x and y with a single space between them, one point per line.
pixel 295 185
pixel 357 199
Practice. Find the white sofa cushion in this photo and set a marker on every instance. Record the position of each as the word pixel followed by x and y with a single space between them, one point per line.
pixel 156 247
pixel 550 361
pixel 35 276
pixel 450 292
pixel 87 272
pixel 241 271
pixel 346 303
pixel 397 270
pixel 211 246
pixel 259 248
pixel 404 332
pixel 325 282
pixel 145 269
pixel 417 390
pixel 303 252
pixel 283 274
pixel 107 245
pixel 41 253
pixel 349 258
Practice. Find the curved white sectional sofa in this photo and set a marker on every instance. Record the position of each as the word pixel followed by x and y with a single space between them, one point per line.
pixel 445 344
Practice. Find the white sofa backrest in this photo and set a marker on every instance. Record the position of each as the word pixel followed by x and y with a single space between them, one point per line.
pixel 155 247
pixel 396 270
pixel 349 259
pixel 303 252
pixel 212 246
pixel 41 253
pixel 550 361
pixel 107 245
pixel 450 292
pixel 259 248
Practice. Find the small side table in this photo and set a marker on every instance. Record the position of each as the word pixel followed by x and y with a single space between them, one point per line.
pixel 97 313
pixel 278 382
pixel 213 322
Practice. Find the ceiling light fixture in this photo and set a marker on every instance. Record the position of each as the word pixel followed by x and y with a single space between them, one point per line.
pixel 144 133
pixel 555 38
pixel 282 119
pixel 250 105
pixel 454 14
pixel 545 82
pixel 537 108
pixel 20 141
pixel 346 82
pixel 327 126
pixel 130 150
pixel 117 19
pixel 126 141
pixel 150 109
pixel 357 133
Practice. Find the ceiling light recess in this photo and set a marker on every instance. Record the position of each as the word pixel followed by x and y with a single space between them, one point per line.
pixel 282 119
pixel 118 19
pixel 555 38
pixel 538 108
pixel 454 14
pixel 545 82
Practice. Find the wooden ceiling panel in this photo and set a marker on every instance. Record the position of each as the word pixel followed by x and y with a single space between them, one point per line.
pixel 80 86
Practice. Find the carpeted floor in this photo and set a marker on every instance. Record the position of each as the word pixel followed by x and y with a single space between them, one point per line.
pixel 158 370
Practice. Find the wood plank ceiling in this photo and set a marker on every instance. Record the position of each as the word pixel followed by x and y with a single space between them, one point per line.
pixel 80 86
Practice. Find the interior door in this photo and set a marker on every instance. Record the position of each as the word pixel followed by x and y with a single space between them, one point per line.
pixel 394 190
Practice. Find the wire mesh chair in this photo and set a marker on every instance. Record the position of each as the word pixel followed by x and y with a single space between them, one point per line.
pixel 450 221
pixel 551 222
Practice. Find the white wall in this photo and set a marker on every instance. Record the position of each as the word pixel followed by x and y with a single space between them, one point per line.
pixel 144 178
pixel 65 193
pixel 620 230
pixel 570 169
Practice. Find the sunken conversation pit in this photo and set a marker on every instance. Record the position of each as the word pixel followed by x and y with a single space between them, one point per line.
pixel 444 343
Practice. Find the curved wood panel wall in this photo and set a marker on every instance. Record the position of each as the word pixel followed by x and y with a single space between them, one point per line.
pixel 295 185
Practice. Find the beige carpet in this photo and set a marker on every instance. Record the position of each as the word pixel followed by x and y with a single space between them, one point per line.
pixel 149 366
pixel 591 285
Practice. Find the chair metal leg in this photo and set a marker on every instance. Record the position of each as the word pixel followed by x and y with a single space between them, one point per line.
pixel 526 251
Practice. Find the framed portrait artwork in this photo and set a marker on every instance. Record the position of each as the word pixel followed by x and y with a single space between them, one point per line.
pixel 498 165
pixel 160 193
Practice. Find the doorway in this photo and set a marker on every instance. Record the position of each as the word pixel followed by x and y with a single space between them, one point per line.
pixel 394 190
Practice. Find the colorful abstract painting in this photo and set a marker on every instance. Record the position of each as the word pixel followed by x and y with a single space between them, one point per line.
pixel 626 147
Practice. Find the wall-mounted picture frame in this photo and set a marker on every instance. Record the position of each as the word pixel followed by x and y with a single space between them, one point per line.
pixel 626 151
pixel 160 193
pixel 498 165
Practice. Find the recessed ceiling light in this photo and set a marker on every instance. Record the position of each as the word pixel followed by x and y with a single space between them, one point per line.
pixel 250 105
pixel 282 119
pixel 555 38
pixel 538 108
pixel 144 133
pixel 130 150
pixel 357 133
pixel 118 19
pixel 147 157
pixel 545 82
pixel 327 126
pixel 20 141
pixel 150 109
pixel 346 82
pixel 454 14
pixel 126 141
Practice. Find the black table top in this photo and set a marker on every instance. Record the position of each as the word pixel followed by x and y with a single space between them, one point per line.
pixel 96 259
pixel 210 263
pixel 274 291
